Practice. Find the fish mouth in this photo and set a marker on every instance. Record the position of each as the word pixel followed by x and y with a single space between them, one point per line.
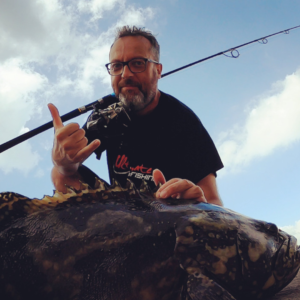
pixel 286 262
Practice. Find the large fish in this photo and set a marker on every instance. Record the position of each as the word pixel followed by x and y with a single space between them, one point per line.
pixel 114 243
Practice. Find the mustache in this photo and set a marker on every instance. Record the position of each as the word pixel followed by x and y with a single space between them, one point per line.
pixel 128 82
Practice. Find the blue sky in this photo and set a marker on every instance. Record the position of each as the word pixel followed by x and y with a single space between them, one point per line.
pixel 55 51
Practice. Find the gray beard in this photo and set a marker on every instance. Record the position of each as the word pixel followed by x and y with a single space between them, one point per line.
pixel 136 102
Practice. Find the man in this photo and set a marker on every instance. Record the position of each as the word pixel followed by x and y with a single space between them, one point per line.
pixel 164 133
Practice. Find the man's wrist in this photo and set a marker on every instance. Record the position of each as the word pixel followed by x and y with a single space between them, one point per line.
pixel 61 181
pixel 69 170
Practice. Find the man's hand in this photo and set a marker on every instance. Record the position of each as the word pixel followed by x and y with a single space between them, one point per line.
pixel 70 145
pixel 177 188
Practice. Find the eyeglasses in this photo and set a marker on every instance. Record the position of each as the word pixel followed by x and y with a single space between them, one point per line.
pixel 135 65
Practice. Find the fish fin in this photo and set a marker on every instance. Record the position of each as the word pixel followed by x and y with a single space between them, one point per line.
pixel 200 287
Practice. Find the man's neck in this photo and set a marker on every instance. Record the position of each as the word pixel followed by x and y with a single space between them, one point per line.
pixel 151 105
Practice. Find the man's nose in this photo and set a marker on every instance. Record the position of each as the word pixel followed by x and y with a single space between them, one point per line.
pixel 126 72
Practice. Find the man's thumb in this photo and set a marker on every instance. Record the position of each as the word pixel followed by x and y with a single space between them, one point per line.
pixel 158 177
pixel 57 122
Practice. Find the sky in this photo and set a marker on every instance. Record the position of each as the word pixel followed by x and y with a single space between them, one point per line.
pixel 55 51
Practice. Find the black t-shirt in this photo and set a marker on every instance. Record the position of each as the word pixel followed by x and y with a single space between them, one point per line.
pixel 170 138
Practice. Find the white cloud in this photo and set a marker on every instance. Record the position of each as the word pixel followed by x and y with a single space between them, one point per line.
pixel 55 48
pixel 97 7
pixel 274 122
pixel 21 157
pixel 91 67
pixel 138 17
pixel 16 80
pixel 33 30
pixel 39 173
pixel 293 230
pixel 17 106
pixel 59 39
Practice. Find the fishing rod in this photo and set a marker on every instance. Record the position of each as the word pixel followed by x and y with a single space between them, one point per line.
pixel 232 53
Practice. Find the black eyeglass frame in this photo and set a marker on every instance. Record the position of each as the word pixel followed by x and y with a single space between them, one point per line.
pixel 126 63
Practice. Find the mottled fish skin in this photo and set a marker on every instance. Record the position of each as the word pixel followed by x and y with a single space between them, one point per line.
pixel 112 243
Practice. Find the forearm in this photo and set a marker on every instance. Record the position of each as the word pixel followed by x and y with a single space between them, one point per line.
pixel 66 170
pixel 215 200
pixel 60 180
pixel 209 186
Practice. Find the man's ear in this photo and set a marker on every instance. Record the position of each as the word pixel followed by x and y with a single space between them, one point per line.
pixel 159 68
